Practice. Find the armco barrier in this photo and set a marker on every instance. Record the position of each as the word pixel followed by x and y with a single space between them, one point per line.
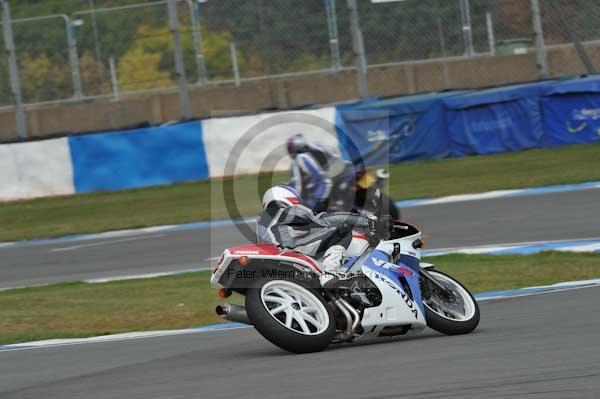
pixel 571 112
pixel 35 169
pixel 496 120
pixel 546 114
pixel 256 143
pixel 511 118
pixel 138 158
pixel 402 129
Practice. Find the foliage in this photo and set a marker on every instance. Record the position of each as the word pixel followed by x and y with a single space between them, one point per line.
pixel 95 77
pixel 139 69
pixel 5 91
pixel 42 78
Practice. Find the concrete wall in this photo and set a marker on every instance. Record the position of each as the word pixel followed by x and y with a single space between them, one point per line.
pixel 290 92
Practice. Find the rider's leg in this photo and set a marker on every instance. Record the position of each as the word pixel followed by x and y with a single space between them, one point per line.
pixel 333 258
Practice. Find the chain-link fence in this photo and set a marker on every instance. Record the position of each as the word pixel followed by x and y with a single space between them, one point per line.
pixel 572 36
pixel 74 49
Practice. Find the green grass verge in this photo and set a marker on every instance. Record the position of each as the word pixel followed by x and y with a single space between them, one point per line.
pixel 190 202
pixel 82 310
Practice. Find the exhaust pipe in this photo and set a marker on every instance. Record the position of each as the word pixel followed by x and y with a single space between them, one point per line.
pixel 232 312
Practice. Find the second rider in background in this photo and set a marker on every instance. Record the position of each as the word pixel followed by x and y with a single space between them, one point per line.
pixel 316 172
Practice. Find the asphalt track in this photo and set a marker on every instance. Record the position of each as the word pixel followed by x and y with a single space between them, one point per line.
pixel 543 346
pixel 569 215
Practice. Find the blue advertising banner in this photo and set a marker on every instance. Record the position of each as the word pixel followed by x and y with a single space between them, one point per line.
pixel 138 158
pixel 402 129
pixel 497 120
pixel 572 112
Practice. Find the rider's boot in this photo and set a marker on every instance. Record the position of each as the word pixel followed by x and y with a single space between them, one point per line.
pixel 332 266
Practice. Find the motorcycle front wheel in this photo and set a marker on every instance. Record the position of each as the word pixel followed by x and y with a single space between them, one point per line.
pixel 290 315
pixel 453 311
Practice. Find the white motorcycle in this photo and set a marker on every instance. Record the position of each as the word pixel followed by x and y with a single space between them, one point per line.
pixel 392 293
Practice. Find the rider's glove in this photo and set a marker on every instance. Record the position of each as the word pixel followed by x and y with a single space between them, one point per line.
pixel 373 227
pixel 379 228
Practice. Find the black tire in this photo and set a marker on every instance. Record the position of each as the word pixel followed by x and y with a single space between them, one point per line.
pixel 280 335
pixel 452 327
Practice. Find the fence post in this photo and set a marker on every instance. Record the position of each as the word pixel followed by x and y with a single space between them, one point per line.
pixel 184 94
pixel 234 63
pixel 92 7
pixel 490 31
pixel 113 77
pixel 467 29
pixel 74 57
pixel 359 49
pixel 540 49
pixel 334 43
pixel 15 81
pixel 201 71
pixel 441 36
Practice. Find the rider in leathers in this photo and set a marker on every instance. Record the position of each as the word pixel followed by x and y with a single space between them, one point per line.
pixel 287 224
pixel 315 172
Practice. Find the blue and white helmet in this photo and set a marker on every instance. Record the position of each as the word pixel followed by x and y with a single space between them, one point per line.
pixel 283 196
pixel 296 144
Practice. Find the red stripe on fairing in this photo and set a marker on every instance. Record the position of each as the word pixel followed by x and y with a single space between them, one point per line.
pixel 257 250
pixel 405 271
pixel 298 255
pixel 360 236
pixel 293 200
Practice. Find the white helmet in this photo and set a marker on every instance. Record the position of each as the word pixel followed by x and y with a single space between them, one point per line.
pixel 284 196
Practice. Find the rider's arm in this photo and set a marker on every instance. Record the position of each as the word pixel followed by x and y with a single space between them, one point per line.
pixel 345 221
pixel 316 175
pixel 291 224
pixel 296 181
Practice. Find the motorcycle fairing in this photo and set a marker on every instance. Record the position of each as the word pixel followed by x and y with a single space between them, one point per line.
pixel 397 271
pixel 397 307
pixel 262 252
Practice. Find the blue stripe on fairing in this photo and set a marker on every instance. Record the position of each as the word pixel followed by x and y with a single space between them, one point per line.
pixel 413 281
pixel 410 261
pixel 350 261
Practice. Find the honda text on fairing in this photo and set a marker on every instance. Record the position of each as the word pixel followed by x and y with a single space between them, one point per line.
pixel 392 293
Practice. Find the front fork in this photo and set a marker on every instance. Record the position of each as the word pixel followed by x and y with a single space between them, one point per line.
pixel 429 283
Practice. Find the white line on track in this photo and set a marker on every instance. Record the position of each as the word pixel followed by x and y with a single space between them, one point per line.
pixel 223 223
pixel 522 292
pixel 104 243
pixel 143 276
pixel 571 245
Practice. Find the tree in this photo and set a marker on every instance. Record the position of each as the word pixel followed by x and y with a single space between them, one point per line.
pixel 139 69
pixel 149 62
pixel 43 79
pixel 94 75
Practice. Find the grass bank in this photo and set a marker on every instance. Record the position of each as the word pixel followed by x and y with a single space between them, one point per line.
pixel 82 310
pixel 190 202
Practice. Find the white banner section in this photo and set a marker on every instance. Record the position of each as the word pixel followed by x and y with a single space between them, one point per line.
pixel 257 143
pixel 36 169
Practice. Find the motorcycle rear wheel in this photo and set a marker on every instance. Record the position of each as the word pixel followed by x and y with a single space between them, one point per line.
pixel 460 315
pixel 290 315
